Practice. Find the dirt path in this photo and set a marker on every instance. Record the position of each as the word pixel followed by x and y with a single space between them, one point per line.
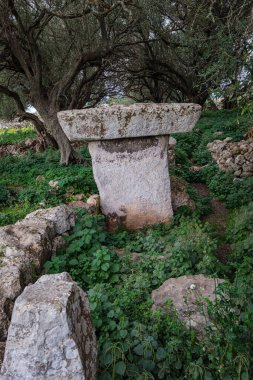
pixel 218 219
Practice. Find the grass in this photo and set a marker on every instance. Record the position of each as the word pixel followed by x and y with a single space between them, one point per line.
pixel 16 135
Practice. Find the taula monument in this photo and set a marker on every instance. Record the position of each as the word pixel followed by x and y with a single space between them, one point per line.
pixel 128 146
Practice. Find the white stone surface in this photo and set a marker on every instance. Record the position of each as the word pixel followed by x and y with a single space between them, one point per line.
pixel 51 336
pixel 137 120
pixel 24 248
pixel 61 216
pixel 133 180
pixel 188 294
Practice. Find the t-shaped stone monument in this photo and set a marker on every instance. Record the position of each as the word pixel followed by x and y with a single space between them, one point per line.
pixel 128 146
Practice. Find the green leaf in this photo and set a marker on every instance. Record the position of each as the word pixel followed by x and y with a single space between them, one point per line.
pixel 74 262
pixel 139 349
pixel 228 377
pixel 104 376
pixel 107 359
pixel 105 267
pixel 208 375
pixel 245 376
pixel 120 368
pixel 161 353
pixel 123 333
pixel 148 365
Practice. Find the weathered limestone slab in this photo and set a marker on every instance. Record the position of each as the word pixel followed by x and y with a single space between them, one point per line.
pixel 137 120
pixel 51 336
pixel 133 180
pixel 24 248
pixel 188 294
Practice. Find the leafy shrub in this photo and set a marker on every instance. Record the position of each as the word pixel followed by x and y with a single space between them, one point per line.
pixel 234 192
pixel 133 340
pixel 86 258
pixel 228 341
pixel 240 234
pixel 4 194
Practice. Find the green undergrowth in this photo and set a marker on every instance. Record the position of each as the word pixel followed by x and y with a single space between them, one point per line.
pixel 191 149
pixel 120 270
pixel 24 183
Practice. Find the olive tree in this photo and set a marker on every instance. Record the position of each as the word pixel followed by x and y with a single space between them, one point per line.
pixel 190 48
pixel 56 54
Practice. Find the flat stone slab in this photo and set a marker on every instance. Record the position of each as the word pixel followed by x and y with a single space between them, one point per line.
pixel 132 176
pixel 137 120
pixel 188 294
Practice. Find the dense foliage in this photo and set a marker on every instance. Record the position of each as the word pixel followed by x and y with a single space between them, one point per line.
pixel 119 270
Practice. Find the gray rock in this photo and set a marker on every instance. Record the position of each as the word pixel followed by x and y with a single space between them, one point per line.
pixel 133 181
pixel 239 160
pixel 188 294
pixel 24 248
pixel 61 216
pixel 51 336
pixel 137 120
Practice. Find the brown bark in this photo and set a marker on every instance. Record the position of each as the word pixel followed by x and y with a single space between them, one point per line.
pixel 46 138
pixel 49 116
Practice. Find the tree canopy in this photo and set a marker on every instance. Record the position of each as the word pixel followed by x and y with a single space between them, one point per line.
pixel 72 54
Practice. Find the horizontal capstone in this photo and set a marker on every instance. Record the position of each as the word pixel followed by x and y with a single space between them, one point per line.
pixel 137 120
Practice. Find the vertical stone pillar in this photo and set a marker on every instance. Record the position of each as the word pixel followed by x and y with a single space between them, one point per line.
pixel 132 176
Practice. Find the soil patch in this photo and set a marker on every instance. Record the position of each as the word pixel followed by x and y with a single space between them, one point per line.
pixel 217 218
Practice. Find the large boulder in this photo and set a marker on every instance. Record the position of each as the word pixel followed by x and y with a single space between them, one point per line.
pixel 51 336
pixel 24 248
pixel 188 294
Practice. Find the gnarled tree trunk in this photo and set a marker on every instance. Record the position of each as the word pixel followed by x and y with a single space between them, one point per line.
pixel 49 116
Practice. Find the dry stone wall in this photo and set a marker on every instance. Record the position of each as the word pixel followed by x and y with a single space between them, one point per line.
pixel 233 156
pixel 51 335
pixel 24 248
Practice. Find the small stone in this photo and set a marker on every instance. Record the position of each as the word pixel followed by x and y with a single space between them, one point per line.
pixel 238 173
pixel 53 184
pixel 94 201
pixel 172 141
pixel 40 178
pixel 239 160
pixel 247 167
